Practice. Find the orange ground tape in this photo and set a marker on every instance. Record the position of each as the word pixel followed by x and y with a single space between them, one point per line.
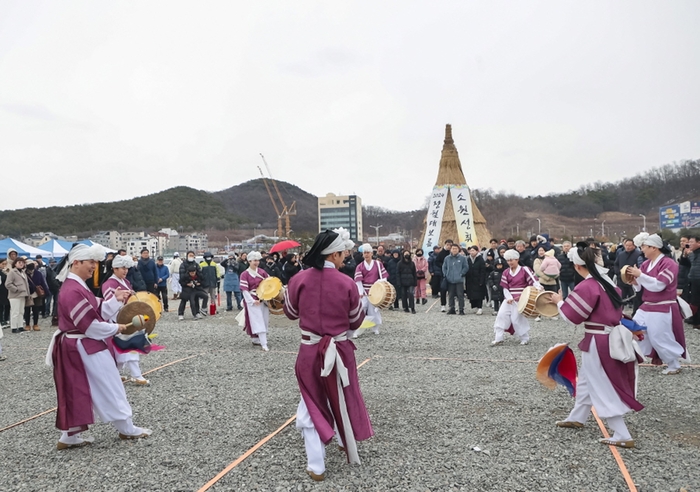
pixel 431 306
pixel 51 410
pixel 616 454
pixel 257 446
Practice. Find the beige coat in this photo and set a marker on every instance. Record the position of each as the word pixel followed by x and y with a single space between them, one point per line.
pixel 17 284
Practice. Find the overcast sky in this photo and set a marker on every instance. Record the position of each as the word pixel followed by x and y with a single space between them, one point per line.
pixel 104 100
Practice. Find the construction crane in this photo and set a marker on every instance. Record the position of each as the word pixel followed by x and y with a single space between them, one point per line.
pixel 281 210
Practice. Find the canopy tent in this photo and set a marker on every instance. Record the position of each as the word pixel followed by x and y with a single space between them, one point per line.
pixel 56 248
pixel 90 243
pixel 21 248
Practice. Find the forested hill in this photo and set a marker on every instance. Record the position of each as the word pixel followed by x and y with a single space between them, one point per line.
pixel 251 202
pixel 180 208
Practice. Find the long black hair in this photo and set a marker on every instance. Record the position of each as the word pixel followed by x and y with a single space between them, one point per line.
pixel 589 255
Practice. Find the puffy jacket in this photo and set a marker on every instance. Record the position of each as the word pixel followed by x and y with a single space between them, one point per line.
pixel 406 273
pixel 147 269
pixel 566 271
pixel 476 278
pixel 210 273
pixel 455 268
pixel 163 274
pixel 136 279
pixel 694 272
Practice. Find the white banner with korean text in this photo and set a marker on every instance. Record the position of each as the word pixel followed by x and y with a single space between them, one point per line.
pixel 433 224
pixel 462 204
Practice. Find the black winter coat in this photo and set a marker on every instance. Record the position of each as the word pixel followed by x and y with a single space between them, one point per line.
pixel 3 290
pixel 349 266
pixel 406 273
pixel 566 271
pixel 391 269
pixel 272 269
pixel 494 284
pixel 476 278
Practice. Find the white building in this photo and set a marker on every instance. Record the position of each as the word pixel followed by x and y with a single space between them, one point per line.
pixel 110 239
pixel 198 243
pixel 341 211
pixel 134 246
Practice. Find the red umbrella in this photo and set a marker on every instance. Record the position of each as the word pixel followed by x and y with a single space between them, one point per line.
pixel 282 245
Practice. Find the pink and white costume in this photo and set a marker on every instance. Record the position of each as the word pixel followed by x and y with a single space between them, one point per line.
pixel 366 274
pixel 607 384
pixel 256 317
pixel 659 312
pixel 85 372
pixel 508 318
pixel 328 308
pixel 125 361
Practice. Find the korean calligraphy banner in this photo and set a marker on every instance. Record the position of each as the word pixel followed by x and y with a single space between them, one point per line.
pixel 433 225
pixel 462 204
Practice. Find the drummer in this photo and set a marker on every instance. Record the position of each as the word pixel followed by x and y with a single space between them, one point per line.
pixel 126 362
pixel 367 273
pixel 257 314
pixel 514 280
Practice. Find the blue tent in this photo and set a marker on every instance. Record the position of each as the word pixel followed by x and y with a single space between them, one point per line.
pixel 21 248
pixel 56 248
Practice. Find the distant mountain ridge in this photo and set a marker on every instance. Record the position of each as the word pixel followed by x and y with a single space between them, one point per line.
pixel 248 206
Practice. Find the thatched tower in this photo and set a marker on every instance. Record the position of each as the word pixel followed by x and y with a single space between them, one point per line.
pixel 450 175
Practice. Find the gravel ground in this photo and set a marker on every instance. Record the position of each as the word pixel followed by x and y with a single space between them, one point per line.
pixel 434 387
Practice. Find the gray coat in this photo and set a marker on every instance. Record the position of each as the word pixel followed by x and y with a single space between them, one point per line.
pixel 454 268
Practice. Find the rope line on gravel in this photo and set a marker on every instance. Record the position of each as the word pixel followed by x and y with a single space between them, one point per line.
pixel 51 410
pixel 431 306
pixel 257 446
pixel 616 454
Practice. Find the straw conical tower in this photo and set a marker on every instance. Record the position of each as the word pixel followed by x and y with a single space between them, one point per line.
pixel 450 174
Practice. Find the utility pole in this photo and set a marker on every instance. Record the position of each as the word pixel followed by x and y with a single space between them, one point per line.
pixel 645 222
pixel 603 229
pixel 376 230
pixel 539 226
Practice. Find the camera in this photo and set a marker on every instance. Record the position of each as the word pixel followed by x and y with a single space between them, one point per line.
pixel 687 245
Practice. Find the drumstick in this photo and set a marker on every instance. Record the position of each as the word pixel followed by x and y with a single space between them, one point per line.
pixel 138 321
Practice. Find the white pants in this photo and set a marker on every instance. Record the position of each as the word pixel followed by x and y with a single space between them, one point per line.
pixel 17 312
pixel 595 389
pixel 659 336
pixel 508 314
pixel 315 449
pixel 130 363
pixel 175 283
pixel 106 388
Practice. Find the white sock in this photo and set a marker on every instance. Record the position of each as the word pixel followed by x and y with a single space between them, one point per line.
pixel 617 424
pixel 263 338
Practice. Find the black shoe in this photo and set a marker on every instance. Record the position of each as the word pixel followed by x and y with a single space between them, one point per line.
pixel 461 312
pixel 229 309
pixel 391 308
pixel 413 311
pixel 424 301
pixel 405 310
pixel 451 311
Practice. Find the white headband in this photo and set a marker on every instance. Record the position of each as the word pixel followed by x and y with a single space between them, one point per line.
pixel 576 259
pixel 340 243
pixel 254 255
pixel 366 247
pixel 511 254
pixel 122 262
pixel 81 252
pixel 650 240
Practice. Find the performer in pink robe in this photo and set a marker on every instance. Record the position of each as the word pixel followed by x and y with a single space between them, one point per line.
pixel 327 305
pixel 257 315
pixel 129 361
pixel 607 384
pixel 85 372
pixel 366 274
pixel 659 312
pixel 509 319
